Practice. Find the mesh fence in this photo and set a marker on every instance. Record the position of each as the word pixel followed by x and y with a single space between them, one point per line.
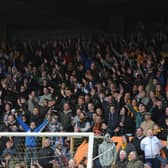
pixel 47 151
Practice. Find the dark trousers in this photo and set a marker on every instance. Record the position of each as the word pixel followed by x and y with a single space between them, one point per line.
pixel 97 164
pixel 30 155
pixel 154 162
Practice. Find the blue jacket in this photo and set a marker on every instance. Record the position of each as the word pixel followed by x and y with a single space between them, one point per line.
pixel 30 141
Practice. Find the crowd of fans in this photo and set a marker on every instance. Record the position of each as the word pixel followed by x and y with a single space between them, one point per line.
pixel 114 86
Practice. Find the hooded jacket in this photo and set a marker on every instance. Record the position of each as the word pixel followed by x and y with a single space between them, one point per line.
pixel 107 152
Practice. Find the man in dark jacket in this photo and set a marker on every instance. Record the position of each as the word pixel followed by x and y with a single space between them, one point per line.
pixel 113 120
pixel 66 118
pixel 136 142
pixel 46 155
pixel 122 161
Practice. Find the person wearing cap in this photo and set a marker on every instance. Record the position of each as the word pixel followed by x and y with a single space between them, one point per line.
pixel 151 146
pixel 147 123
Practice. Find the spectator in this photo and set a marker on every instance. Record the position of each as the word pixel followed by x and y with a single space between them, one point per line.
pixel 60 156
pixel 126 145
pixel 107 152
pixel 20 165
pixel 54 125
pixel 9 160
pixel 122 161
pixel 148 123
pixel 83 125
pixel 133 161
pixel 9 148
pixel 164 132
pixel 151 146
pixel 126 122
pixel 30 142
pixel 72 163
pixel 81 166
pixel 46 154
pixel 115 78
pixel 97 125
pixel 66 118
pixel 113 120
pixel 136 141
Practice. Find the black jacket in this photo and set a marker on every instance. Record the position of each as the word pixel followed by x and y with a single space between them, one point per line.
pixel 45 156
pixel 121 163
pixel 136 142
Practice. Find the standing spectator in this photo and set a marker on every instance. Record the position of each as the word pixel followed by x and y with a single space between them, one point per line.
pixel 54 125
pixel 46 154
pixel 60 155
pixel 133 161
pixel 113 120
pixel 46 95
pixel 107 152
pixel 66 118
pixel 137 141
pixel 30 142
pixel 9 160
pixel 122 161
pixel 126 122
pixel 83 125
pixel 97 125
pixel 90 112
pixel 126 145
pixel 9 148
pixel 148 123
pixel 151 146
pixel 164 132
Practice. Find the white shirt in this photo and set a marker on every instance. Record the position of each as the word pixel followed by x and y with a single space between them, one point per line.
pixel 151 146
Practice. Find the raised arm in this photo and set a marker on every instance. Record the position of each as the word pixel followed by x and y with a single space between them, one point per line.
pixel 24 125
pixel 42 126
